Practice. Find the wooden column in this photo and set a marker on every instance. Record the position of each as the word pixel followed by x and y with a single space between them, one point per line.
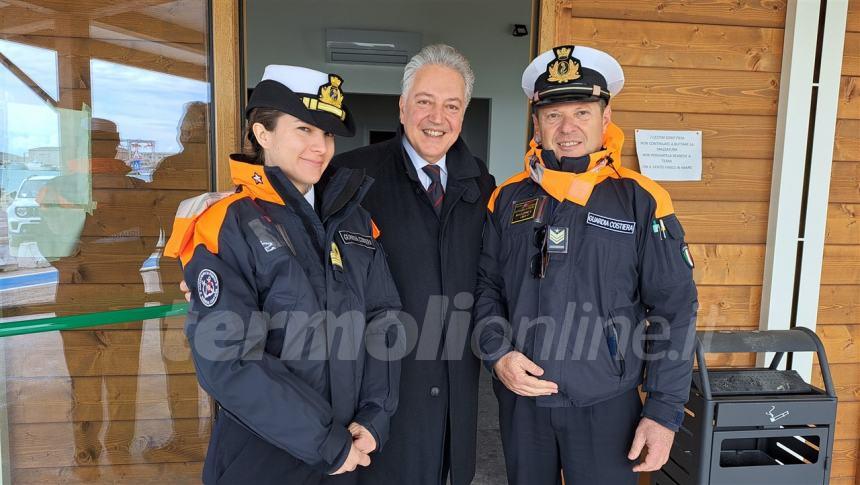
pixel 227 83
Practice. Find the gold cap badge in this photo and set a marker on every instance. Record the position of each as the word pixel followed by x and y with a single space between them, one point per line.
pixel 331 93
pixel 564 68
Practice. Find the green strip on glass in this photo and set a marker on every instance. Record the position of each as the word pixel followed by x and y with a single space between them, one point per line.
pixel 91 319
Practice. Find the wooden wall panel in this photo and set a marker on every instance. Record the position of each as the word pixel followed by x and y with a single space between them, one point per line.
pixel 842 342
pixel 98 353
pixel 727 179
pixel 157 473
pixel 726 223
pixel 846 380
pixel 844 459
pixel 728 264
pixel 116 395
pixel 839 300
pixel 729 306
pixel 843 224
pixel 755 13
pixel 128 442
pixel 701 91
pixel 87 298
pixel 851 54
pixel 723 136
pixel 679 46
pixel 849 98
pixel 841 265
pixel 228 87
pixel 848 421
pixel 845 182
pixel 65 399
pixel 853 22
pixel 839 304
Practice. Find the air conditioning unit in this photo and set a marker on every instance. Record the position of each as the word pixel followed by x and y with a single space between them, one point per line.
pixel 374 47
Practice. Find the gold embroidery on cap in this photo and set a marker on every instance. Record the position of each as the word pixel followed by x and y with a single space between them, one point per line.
pixel 331 93
pixel 564 68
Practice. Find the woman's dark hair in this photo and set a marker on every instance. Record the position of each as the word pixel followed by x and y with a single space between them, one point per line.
pixel 268 118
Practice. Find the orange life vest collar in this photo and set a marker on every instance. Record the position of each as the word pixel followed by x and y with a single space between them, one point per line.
pixel 252 179
pixel 577 187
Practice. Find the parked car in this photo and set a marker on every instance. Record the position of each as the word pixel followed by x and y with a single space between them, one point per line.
pixel 23 211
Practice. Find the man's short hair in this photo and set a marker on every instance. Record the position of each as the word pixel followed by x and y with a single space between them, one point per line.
pixel 440 55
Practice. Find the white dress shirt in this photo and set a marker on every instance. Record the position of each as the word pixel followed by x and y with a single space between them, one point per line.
pixel 309 196
pixel 420 163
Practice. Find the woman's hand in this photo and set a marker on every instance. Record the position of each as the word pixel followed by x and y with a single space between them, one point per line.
pixel 353 460
pixel 184 288
pixel 362 438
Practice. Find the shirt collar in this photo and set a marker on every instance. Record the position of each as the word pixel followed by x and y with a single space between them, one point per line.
pixel 420 162
pixel 309 196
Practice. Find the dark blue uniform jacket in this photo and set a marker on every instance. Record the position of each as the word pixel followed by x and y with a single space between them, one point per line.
pixel 263 268
pixel 617 301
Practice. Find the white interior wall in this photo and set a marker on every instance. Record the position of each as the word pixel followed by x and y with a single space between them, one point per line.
pixel 293 32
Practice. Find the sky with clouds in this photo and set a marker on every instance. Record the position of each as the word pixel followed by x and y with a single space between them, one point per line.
pixel 144 104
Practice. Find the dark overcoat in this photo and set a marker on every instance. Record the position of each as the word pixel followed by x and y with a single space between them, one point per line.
pixel 433 260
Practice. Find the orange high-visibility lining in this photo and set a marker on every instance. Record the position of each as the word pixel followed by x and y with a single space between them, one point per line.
pixel 577 188
pixel 188 233
pixel 204 227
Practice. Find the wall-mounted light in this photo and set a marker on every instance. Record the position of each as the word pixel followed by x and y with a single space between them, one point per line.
pixel 520 30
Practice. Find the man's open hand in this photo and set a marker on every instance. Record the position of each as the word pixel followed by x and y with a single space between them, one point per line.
pixel 520 375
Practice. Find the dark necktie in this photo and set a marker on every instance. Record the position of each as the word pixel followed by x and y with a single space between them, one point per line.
pixel 435 191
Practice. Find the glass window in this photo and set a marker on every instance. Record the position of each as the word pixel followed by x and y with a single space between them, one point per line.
pixel 104 129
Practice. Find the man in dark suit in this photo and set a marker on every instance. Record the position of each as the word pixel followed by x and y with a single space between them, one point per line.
pixel 429 201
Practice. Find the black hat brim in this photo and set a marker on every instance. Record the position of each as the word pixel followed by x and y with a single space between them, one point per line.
pixel 568 98
pixel 274 95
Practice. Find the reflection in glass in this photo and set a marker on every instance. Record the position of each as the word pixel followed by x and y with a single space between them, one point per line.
pixel 94 173
pixel 104 129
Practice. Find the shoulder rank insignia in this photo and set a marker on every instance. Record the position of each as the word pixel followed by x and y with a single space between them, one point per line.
pixel 557 239
pixel 330 93
pixel 564 68
pixel 336 261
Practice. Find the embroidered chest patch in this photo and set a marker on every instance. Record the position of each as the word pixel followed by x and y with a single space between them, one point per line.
pixel 610 224
pixel 355 238
pixel 208 287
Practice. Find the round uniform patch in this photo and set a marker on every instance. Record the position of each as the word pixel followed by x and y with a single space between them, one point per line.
pixel 687 256
pixel 208 287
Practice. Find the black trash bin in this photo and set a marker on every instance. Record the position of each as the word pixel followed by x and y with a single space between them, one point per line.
pixel 746 426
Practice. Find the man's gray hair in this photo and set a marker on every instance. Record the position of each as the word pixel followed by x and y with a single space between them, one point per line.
pixel 440 55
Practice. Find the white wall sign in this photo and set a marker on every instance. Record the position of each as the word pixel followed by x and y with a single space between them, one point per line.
pixel 670 155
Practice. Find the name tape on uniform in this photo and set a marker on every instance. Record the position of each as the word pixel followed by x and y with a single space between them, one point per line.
pixel 610 224
pixel 354 238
